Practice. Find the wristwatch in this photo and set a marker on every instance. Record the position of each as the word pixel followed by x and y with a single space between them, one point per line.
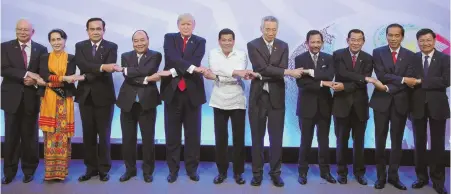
pixel 217 78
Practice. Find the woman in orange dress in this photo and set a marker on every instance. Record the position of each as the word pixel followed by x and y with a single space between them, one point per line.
pixel 56 118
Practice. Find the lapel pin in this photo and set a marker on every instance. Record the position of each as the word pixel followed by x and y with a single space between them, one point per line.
pixel 101 47
pixel 191 42
pixel 400 59
pixel 16 47
pixel 324 66
pixel 145 56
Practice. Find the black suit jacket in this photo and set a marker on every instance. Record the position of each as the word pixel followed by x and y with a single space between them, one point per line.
pixel 13 72
pixel 271 68
pixel 433 87
pixel 355 92
pixel 181 61
pixel 69 89
pixel 148 94
pixel 391 75
pixel 311 94
pixel 98 84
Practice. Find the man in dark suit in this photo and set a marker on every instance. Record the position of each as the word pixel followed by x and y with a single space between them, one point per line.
pixel 138 99
pixel 429 102
pixel 314 104
pixel 353 69
pixel 20 102
pixel 269 58
pixel 391 64
pixel 183 94
pixel 96 59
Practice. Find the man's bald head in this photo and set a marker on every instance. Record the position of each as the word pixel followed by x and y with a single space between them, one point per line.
pixel 24 30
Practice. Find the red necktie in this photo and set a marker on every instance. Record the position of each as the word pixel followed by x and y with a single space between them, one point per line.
pixel 393 55
pixel 353 60
pixel 24 55
pixel 182 83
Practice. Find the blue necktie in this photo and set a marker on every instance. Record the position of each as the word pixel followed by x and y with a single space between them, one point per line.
pixel 426 65
pixel 94 49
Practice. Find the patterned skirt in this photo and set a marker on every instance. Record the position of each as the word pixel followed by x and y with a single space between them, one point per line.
pixel 57 150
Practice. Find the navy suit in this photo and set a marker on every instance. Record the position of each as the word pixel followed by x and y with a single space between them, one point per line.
pixel 430 102
pixel 183 107
pixel 390 107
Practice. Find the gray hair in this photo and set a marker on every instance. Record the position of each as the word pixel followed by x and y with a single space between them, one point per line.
pixel 185 16
pixel 269 19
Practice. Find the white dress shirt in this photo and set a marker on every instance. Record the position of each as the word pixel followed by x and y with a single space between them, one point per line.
pixel 429 59
pixel 190 68
pixel 228 91
pixel 265 85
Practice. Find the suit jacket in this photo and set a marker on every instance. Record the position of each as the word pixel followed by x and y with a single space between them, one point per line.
pixel 271 67
pixel 133 85
pixel 181 61
pixel 355 92
pixel 69 89
pixel 311 94
pixel 13 73
pixel 391 75
pixel 98 84
pixel 433 88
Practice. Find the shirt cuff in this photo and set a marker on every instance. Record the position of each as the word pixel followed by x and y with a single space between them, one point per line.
pixel 312 72
pixel 259 76
pixel 402 81
pixel 173 72
pixel 101 68
pixel 145 82
pixel 191 69
pixel 321 84
pixel 26 74
pixel 125 71
pixel 386 88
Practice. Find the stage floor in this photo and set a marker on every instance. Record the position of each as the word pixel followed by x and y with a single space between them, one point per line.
pixel 207 172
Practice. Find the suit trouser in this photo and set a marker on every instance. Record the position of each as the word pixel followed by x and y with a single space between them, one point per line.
pixel 397 123
pixel 258 116
pixel 177 113
pixel 21 141
pixel 437 152
pixel 129 124
pixel 221 120
pixel 307 126
pixel 343 128
pixel 96 120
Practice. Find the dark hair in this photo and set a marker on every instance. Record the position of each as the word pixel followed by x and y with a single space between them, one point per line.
pixel 357 31
pixel 313 32
pixel 140 31
pixel 425 31
pixel 59 31
pixel 226 31
pixel 95 19
pixel 395 25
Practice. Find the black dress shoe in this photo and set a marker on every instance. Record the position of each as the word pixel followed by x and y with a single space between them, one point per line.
pixel 361 180
pixel 148 178
pixel 379 184
pixel 6 180
pixel 302 179
pixel 87 176
pixel 172 178
pixel 342 179
pixel 397 184
pixel 256 181
pixel 239 179
pixel 219 179
pixel 127 176
pixel 440 189
pixel 277 181
pixel 329 178
pixel 27 178
pixel 418 184
pixel 194 177
pixel 104 176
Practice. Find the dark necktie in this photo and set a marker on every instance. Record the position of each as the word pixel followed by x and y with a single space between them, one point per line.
pixel 315 59
pixel 393 55
pixel 426 65
pixel 354 58
pixel 24 55
pixel 182 83
pixel 94 49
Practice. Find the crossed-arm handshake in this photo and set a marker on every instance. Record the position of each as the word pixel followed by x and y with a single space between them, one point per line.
pixel 35 79
pixel 112 67
pixel 245 74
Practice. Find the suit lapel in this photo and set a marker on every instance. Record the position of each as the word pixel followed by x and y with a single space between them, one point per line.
pixel 100 50
pixel 34 53
pixel 358 62
pixel 419 62
pixel 88 50
pixel 433 61
pixel 309 60
pixel 347 58
pixel 133 59
pixel 263 48
pixel 399 60
pixel 144 58
pixel 387 59
pixel 320 62
pixel 17 54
